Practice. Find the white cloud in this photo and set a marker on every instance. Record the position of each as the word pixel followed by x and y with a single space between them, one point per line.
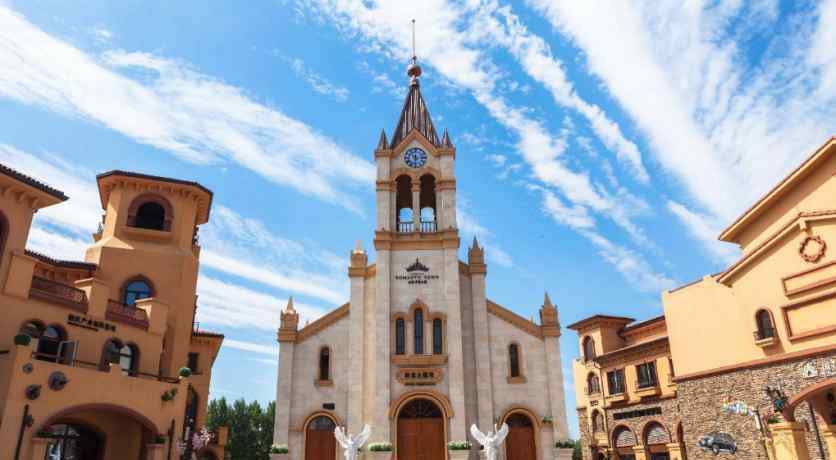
pixel 255 348
pixel 166 104
pixel 704 228
pixel 319 83
pixel 101 34
pixel 470 228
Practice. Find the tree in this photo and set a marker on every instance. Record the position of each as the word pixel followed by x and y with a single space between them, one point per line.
pixel 250 427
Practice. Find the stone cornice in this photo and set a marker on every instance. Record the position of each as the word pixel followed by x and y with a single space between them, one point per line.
pixel 514 319
pixel 322 323
pixel 387 240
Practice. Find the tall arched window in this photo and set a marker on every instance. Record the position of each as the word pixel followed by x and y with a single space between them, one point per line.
pixel 438 344
pixel 325 364
pixel 588 349
pixel 136 290
pixel 150 211
pixel 49 343
pixel 418 326
pixel 403 204
pixel 597 421
pixel 514 359
pixel 766 329
pixel 400 336
pixel 593 385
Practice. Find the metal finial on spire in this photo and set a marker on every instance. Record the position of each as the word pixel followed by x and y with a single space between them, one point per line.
pixel 414 70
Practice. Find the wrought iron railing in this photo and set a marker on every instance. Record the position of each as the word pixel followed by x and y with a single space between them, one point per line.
pixel 102 367
pixel 118 311
pixel 428 227
pixel 48 289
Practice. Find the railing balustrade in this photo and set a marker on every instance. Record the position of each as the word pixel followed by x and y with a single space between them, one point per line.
pixel 47 289
pixel 103 367
pixel 424 226
pixel 119 311
pixel 428 227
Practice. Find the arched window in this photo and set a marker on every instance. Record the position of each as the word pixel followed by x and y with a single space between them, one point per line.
pixel 126 355
pixel 418 326
pixel 438 344
pixel 403 204
pixel 766 329
pixel 400 336
pixel 325 364
pixel 428 203
pixel 135 290
pixel 49 343
pixel 514 360
pixel 588 348
pixel 597 421
pixel 150 211
pixel 593 385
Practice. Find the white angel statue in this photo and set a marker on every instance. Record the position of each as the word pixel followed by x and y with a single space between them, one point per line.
pixel 490 440
pixel 352 444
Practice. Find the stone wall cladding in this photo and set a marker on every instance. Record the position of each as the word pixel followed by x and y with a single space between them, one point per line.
pixel 583 420
pixel 701 402
pixel 669 418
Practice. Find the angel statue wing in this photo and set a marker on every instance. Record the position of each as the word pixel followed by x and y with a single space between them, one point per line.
pixel 364 435
pixel 340 435
pixel 478 435
pixel 501 434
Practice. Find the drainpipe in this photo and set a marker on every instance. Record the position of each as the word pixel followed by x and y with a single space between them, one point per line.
pixel 26 422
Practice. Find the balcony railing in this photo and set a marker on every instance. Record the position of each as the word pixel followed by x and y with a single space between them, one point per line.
pixel 101 367
pixel 764 334
pixel 406 227
pixel 53 291
pixel 128 314
pixel 593 390
pixel 428 227
pixel 423 226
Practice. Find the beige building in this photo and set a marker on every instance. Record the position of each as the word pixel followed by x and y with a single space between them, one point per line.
pixel 754 346
pixel 419 353
pixel 91 352
pixel 625 391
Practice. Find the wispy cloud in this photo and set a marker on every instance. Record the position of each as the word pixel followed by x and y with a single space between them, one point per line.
pixel 168 105
pixel 253 347
pixel 319 83
pixel 470 228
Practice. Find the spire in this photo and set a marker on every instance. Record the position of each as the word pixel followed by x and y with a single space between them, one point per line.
pixel 475 243
pixel 383 143
pixel 549 322
pixel 414 114
pixel 289 323
pixel 445 140
pixel 547 302
pixel 289 308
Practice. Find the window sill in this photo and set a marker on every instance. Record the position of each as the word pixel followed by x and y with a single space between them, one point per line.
pixel 648 391
pixel 324 383
pixel 766 342
pixel 617 397
pixel 517 380
pixel 147 234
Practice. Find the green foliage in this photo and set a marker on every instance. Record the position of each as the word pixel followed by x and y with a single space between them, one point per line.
pixel 458 445
pixel 567 444
pixel 279 449
pixel 185 372
pixel 169 395
pixel 250 427
pixel 380 447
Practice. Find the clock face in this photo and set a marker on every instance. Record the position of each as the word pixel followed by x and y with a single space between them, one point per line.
pixel 415 157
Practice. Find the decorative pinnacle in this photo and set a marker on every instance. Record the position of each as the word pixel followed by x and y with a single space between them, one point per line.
pixel 358 247
pixel 383 143
pixel 475 243
pixel 413 70
pixel 445 139
pixel 547 302
pixel 289 308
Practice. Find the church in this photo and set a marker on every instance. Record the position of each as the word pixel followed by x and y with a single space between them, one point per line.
pixel 418 352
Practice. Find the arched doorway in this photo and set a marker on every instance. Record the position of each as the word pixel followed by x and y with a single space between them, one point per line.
pixel 320 443
pixel 420 431
pixel 520 443
pixel 623 441
pixel 73 441
pixel 656 440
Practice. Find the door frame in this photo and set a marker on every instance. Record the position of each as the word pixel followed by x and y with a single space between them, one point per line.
pixel 536 426
pixel 308 421
pixel 438 399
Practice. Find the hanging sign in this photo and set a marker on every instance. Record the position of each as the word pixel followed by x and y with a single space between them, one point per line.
pixel 89 323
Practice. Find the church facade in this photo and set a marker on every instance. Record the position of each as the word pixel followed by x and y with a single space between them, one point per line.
pixel 418 352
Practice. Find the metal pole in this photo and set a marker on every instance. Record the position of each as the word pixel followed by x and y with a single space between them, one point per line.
pixel 23 424
pixel 816 428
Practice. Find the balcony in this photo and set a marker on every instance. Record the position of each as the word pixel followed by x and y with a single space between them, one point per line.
pixel 765 337
pixel 423 226
pixel 127 314
pixel 618 397
pixel 647 388
pixel 592 391
pixel 61 294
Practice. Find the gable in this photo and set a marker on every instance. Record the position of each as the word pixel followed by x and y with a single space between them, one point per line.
pixel 514 319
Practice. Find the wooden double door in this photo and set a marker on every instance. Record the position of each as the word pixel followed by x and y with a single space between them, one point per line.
pixel 520 445
pixel 320 443
pixel 420 431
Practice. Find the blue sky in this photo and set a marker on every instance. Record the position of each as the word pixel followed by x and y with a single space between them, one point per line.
pixel 601 146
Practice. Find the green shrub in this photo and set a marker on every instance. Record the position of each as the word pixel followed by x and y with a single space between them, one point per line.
pixel 185 372
pixel 567 444
pixel 278 449
pixel 458 445
pixel 380 447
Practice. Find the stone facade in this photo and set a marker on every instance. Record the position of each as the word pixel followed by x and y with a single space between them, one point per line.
pixel 701 403
pixel 460 362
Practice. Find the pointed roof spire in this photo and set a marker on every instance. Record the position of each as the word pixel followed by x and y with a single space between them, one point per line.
pixel 415 114
pixel 445 140
pixel 547 302
pixel 475 243
pixel 289 308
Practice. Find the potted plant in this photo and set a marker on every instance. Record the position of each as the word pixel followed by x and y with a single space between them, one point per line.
pixel 547 420
pixel 185 372
pixel 279 452
pixel 158 440
pixel 459 450
pixel 563 449
pixel 380 450
pixel 23 340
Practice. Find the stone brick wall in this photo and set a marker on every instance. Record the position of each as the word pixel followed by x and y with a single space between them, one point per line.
pixel 583 420
pixel 668 418
pixel 701 403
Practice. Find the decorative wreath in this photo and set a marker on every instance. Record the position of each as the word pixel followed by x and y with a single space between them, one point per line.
pixel 815 257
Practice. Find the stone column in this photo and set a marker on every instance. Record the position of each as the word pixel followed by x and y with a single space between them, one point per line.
pixel 356 346
pixel 455 367
pixel 789 442
pixel 484 382
pixel 675 451
pixel 554 368
pixel 640 452
pixel 284 387
pixel 380 374
pixel 416 205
